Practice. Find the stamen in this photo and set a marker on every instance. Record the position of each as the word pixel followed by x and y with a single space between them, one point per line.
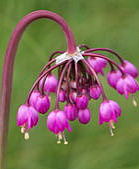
pixel 111 131
pixel 134 102
pixel 111 127
pixel 64 138
pixel 22 130
pixel 26 136
pixel 59 138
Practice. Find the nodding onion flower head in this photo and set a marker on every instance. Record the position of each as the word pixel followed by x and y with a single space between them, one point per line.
pixel 76 83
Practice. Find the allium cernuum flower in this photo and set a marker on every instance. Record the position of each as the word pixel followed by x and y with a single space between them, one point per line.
pixel 129 68
pixel 27 117
pixel 127 85
pixel 95 91
pixel 84 116
pixel 82 101
pixel 109 111
pixel 72 76
pixel 71 112
pixel 50 84
pixel 57 123
pixel 98 64
pixel 62 96
pixel 113 76
pixel 40 102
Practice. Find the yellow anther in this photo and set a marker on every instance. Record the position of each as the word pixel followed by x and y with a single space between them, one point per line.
pixel 65 142
pixel 26 136
pixel 22 130
pixel 134 102
pixel 58 142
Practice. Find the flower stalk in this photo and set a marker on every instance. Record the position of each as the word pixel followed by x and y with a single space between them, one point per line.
pixel 9 58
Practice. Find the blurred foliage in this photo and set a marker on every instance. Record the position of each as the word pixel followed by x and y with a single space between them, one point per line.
pixel 98 23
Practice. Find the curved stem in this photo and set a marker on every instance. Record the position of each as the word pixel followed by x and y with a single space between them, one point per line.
pixel 105 50
pixel 106 58
pixel 9 62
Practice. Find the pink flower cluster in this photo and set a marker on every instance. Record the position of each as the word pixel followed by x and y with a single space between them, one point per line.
pixel 77 84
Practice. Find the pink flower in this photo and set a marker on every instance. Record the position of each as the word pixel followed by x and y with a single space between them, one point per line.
pixel 82 101
pixel 62 96
pixel 27 116
pixel 95 92
pixel 50 84
pixel 98 64
pixel 127 85
pixel 57 122
pixel 130 69
pixel 109 111
pixel 71 111
pixel 113 77
pixel 84 116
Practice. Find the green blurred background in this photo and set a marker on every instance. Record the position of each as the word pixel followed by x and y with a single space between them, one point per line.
pixel 98 23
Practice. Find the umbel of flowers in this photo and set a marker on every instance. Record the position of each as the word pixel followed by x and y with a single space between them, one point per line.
pixel 76 83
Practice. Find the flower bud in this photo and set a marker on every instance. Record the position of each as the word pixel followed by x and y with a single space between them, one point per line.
pixel 71 111
pixel 113 77
pixel 62 96
pixel 95 92
pixel 84 116
pixel 82 101
pixel 50 84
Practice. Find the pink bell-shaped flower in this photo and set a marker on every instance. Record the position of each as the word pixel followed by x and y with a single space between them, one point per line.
pixel 98 64
pixel 127 85
pixel 113 77
pixel 109 111
pixel 130 69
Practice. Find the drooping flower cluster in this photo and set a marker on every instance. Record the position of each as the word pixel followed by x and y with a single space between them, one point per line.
pixel 76 85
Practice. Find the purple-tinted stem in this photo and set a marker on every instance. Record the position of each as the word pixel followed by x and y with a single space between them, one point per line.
pixel 84 46
pixel 9 62
pixel 68 81
pixel 106 58
pixel 40 77
pixel 105 50
pixel 60 83
pixel 96 77
pixel 47 65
